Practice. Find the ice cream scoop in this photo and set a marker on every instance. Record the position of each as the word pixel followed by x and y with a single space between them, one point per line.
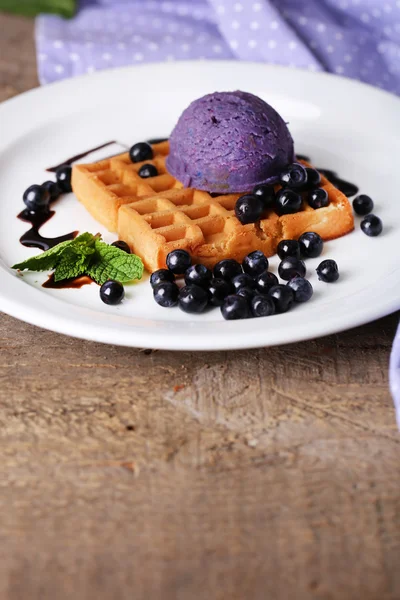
pixel 229 142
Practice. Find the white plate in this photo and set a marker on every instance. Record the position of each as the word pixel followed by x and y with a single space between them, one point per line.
pixel 342 125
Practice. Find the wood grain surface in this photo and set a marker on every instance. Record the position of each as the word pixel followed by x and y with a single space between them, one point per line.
pixel 127 474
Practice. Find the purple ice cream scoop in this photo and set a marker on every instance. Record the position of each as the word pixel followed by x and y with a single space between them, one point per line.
pixel 229 142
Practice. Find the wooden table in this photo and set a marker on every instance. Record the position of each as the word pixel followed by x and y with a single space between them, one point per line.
pixel 259 475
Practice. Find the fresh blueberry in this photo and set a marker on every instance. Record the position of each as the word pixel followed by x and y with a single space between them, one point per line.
pixel 247 293
pixel 371 225
pixel 288 248
pixel 328 271
pixel 287 202
pixel 199 275
pixel 318 198
pixel 248 209
pixel 122 246
pixel 161 276
pixel 294 176
pixel 313 178
pixel 265 281
pixel 311 244
pixel 262 306
pixel 227 269
pixel 218 290
pixel 166 294
pixel 52 188
pixel 363 205
pixel 140 152
pixel 243 280
pixel 283 297
pixel 291 267
pixel 36 198
pixel 147 170
pixel 178 261
pixel 112 292
pixel 193 299
pixel 302 289
pixel 63 176
pixel 266 193
pixel 235 307
pixel 255 263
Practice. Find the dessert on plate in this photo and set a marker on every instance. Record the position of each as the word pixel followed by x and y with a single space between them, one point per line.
pixel 225 184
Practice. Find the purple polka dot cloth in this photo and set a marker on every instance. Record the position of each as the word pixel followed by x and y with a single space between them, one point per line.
pixel 353 38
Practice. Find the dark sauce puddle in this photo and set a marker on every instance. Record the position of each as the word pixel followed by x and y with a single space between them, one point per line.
pixel 33 239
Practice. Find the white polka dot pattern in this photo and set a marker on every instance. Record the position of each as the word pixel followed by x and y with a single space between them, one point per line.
pixel 353 38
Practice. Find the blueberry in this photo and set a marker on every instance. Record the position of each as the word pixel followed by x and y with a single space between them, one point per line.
pixel 161 276
pixel 63 176
pixel 318 198
pixel 266 193
pixel 218 290
pixel 148 170
pixel 311 244
pixel 288 202
pixel 36 198
pixel 248 209
pixel 302 289
pixel 262 306
pixel 178 261
pixel 166 294
pixel 294 176
pixel 363 205
pixel 283 297
pixel 52 188
pixel 122 246
pixel 265 281
pixel 247 293
pixel 227 269
pixel 193 299
pixel 313 178
pixel 255 263
pixel 288 248
pixel 328 271
pixel 235 307
pixel 112 292
pixel 371 225
pixel 291 267
pixel 140 152
pixel 243 280
pixel 199 275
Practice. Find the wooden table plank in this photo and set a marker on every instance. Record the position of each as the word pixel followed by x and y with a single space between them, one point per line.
pixel 258 474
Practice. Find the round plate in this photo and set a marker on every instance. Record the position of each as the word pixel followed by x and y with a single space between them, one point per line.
pixel 343 125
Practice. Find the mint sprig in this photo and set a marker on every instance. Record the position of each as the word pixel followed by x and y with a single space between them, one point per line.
pixel 86 255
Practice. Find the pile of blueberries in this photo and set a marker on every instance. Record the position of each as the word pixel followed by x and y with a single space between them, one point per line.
pixel 37 198
pixel 243 290
pixel 298 181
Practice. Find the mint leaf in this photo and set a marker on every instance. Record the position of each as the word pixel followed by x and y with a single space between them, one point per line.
pixel 72 263
pixel 45 261
pixel 84 244
pixel 110 262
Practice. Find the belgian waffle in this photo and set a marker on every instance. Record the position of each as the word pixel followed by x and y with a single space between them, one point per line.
pixel 157 215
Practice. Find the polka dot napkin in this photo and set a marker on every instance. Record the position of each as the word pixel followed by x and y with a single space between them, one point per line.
pixel 354 38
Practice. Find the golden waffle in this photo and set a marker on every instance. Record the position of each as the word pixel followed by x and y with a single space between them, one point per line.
pixel 157 215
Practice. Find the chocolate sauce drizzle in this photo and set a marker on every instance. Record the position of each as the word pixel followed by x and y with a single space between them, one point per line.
pixel 347 188
pixel 73 159
pixel 75 283
pixel 33 239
